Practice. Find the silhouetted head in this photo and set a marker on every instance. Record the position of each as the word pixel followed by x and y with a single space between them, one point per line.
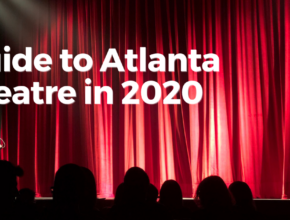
pixel 136 183
pixel 74 193
pixel 8 182
pixel 69 185
pixel 242 194
pixel 152 194
pixel 213 193
pixel 119 195
pixel 26 196
pixel 171 194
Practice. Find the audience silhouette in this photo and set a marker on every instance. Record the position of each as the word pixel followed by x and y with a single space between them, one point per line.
pixel 152 194
pixel 133 204
pixel 90 192
pixel 74 197
pixel 136 183
pixel 118 201
pixel 242 194
pixel 119 195
pixel 26 196
pixel 244 203
pixel 8 189
pixel 215 199
pixel 171 198
pixel 8 183
pixel 74 193
pixel 25 204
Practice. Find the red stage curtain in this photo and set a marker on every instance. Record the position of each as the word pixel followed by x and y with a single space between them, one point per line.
pixel 239 131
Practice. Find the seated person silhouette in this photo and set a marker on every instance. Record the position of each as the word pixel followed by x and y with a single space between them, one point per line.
pixel 171 198
pixel 8 189
pixel 119 196
pixel 244 203
pixel 26 196
pixel 118 201
pixel 74 193
pixel 133 204
pixel 152 194
pixel 215 199
pixel 25 204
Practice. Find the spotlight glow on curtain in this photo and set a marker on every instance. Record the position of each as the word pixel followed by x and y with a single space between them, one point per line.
pixel 239 131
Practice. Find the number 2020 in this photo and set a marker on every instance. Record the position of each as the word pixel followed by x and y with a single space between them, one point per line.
pixel 168 99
